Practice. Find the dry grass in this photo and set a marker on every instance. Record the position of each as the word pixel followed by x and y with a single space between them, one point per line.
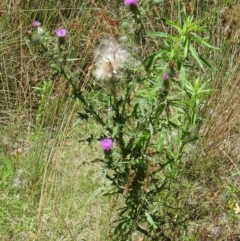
pixel 215 169
pixel 47 175
pixel 221 129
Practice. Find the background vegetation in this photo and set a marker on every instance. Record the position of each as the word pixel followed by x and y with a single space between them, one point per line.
pixel 48 175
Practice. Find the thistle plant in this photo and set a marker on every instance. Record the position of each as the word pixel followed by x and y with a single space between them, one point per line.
pixel 152 127
pixel 148 120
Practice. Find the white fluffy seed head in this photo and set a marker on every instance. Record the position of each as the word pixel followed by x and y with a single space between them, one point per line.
pixel 109 58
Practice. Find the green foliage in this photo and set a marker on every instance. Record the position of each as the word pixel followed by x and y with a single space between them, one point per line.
pixel 6 173
pixel 179 47
pixel 43 93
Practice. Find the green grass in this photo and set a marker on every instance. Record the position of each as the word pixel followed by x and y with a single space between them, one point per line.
pixel 47 176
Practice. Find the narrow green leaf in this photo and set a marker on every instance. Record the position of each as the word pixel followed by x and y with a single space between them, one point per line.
pixel 201 40
pixel 151 129
pixel 160 34
pixel 73 59
pixel 141 106
pixel 96 192
pixel 192 139
pixel 186 49
pixel 160 143
pixel 182 76
pixel 205 61
pixel 195 55
pixel 36 88
pixel 150 220
pixel 149 61
pixel 179 29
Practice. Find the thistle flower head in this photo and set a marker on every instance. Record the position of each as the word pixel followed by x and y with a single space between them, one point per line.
pixel 36 23
pixel 166 81
pixel 61 32
pixel 165 76
pixel 109 58
pixel 130 2
pixel 106 144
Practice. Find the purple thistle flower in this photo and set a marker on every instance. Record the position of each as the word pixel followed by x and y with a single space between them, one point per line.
pixel 61 32
pixel 130 2
pixel 106 144
pixel 165 76
pixel 36 23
